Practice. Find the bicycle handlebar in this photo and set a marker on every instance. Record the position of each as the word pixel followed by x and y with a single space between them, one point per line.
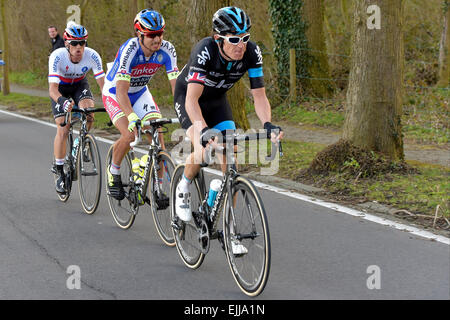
pixel 155 123
pixel 253 136
pixel 77 109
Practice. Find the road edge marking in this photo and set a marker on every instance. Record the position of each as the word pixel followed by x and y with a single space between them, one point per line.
pixel 333 206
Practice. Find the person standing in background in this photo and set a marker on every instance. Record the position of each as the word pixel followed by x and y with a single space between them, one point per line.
pixel 56 40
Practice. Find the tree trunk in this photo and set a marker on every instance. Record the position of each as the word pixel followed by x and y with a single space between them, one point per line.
pixel 318 69
pixel 199 19
pixel 444 49
pixel 6 89
pixel 374 95
pixel 83 8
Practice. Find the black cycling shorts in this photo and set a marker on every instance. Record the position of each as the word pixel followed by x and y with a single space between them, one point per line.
pixel 77 92
pixel 214 110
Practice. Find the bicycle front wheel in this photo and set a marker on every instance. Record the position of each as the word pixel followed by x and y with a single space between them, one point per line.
pixel 123 211
pixel 245 223
pixel 89 174
pixel 160 204
pixel 186 234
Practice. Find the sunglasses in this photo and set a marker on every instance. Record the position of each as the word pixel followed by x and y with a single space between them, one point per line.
pixel 235 39
pixel 154 34
pixel 74 43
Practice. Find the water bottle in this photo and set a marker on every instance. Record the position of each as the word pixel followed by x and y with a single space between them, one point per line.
pixel 137 170
pixel 76 144
pixel 214 188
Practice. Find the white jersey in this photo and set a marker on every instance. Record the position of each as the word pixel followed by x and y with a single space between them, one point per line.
pixel 63 71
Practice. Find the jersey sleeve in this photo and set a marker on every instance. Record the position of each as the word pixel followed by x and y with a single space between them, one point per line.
pixel 255 71
pixel 170 61
pixel 53 68
pixel 97 67
pixel 125 60
pixel 200 60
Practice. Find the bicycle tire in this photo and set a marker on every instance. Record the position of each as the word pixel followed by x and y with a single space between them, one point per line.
pixel 189 254
pixel 89 165
pixel 162 218
pixel 126 208
pixel 251 279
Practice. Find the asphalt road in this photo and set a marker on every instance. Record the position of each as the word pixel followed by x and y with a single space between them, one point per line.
pixel 317 253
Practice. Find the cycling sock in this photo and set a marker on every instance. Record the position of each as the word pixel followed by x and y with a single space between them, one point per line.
pixel 114 168
pixel 59 162
pixel 184 184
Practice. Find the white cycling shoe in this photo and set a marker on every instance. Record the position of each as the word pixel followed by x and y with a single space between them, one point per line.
pixel 183 204
pixel 238 248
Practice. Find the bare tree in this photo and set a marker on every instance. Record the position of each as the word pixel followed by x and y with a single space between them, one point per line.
pixel 318 69
pixel 374 95
pixel 6 89
pixel 444 48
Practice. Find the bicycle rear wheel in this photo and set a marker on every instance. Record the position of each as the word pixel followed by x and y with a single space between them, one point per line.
pixel 245 221
pixel 123 211
pixel 186 235
pixel 89 174
pixel 161 211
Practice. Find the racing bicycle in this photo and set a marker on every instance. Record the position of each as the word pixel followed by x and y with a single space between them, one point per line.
pixel 82 161
pixel 146 189
pixel 244 220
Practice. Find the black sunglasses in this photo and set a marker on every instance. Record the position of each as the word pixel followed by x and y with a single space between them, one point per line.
pixel 74 43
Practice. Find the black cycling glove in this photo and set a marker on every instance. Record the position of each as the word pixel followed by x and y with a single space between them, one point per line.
pixel 205 135
pixel 271 128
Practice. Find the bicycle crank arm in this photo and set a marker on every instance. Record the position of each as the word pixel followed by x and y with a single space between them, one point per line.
pixel 252 236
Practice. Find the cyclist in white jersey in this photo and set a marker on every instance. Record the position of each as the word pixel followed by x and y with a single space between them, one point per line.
pixel 68 86
pixel 125 95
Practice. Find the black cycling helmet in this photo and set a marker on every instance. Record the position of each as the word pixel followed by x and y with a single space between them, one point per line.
pixel 231 20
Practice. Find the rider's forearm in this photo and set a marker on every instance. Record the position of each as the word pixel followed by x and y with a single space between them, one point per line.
pixel 54 92
pixel 262 107
pixel 195 114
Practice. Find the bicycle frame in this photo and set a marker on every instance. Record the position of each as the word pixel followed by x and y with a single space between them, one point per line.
pixel 153 151
pixel 213 214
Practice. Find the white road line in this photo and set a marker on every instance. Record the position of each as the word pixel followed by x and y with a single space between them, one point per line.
pixel 329 205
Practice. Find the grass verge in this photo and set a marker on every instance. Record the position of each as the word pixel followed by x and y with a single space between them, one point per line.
pixel 419 192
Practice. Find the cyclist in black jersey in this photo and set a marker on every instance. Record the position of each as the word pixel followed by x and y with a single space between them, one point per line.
pixel 216 63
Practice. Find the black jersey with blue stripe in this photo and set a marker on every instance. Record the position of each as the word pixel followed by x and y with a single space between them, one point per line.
pixel 206 66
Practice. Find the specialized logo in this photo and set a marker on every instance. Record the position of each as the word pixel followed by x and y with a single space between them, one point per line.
pixel 203 56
